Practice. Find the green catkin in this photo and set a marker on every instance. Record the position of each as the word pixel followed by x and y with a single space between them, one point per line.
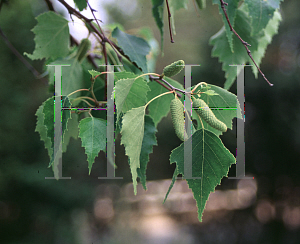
pixel 83 48
pixel 207 115
pixel 176 108
pixel 174 68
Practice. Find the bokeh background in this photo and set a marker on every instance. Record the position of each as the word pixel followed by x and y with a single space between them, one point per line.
pixel 87 210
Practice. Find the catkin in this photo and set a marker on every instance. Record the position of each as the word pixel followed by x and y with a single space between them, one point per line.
pixel 174 68
pixel 207 115
pixel 178 118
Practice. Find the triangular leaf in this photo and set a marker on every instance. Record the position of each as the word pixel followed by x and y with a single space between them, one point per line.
pixel 94 73
pixel 92 132
pixel 52 37
pixel 210 161
pixel 270 30
pixel 148 34
pixel 48 111
pixel 231 12
pixel 221 47
pixel 132 138
pixel 130 93
pixel 134 47
pixel 261 12
pixel 160 107
pixel 72 76
pixel 42 130
pixel 211 93
pixel 124 75
pixel 81 4
pixel 72 131
pixel 149 141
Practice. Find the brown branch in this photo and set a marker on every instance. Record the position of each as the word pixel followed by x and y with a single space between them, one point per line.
pixel 106 68
pixel 223 4
pixel 103 47
pixel 167 85
pixel 73 40
pixel 169 19
pixel 50 5
pixel 115 47
pixel 105 39
pixel 89 22
pixel 80 16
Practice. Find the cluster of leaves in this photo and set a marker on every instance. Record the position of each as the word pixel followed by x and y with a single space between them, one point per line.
pixel 256 21
pixel 143 99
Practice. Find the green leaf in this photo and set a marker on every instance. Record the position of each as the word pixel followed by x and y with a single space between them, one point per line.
pixel 134 47
pixel 224 106
pixel 222 50
pixel 147 33
pixel 52 37
pixel 149 141
pixel 48 111
pixel 123 75
pixel 94 73
pixel 231 12
pixel 132 138
pixel 42 130
pixel 261 11
pixel 158 14
pixel 110 27
pixel 81 4
pixel 92 132
pixel 270 30
pixel 72 76
pixel 160 107
pixel 72 131
pixel 210 161
pixel 130 93
pixel 211 93
pixel 83 49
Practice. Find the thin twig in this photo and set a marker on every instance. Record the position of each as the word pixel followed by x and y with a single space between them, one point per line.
pixel 92 92
pixel 106 69
pixel 223 4
pixel 115 47
pixel 80 16
pixel 167 85
pixel 73 40
pixel 169 19
pixel 21 58
pixel 104 39
pixel 89 22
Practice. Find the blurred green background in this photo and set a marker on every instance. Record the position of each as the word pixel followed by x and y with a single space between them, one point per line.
pixel 88 210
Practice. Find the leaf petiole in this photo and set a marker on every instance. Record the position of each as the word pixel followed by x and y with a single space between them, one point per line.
pixel 158 97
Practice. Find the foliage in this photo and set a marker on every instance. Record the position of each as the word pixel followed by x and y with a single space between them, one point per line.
pixel 142 99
